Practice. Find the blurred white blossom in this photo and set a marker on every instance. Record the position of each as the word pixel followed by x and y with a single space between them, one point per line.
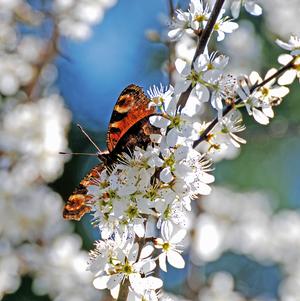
pixel 34 123
pixel 36 132
pixel 77 17
pixel 277 13
pixel 221 288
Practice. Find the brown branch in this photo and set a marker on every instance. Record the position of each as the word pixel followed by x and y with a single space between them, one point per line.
pixel 124 289
pixel 202 42
pixel 171 47
pixel 50 52
pixel 171 8
pixel 239 100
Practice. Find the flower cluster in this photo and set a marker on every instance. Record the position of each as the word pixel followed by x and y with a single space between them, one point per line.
pixel 205 75
pixel 149 188
pixel 142 202
pixel 259 103
pixel 195 19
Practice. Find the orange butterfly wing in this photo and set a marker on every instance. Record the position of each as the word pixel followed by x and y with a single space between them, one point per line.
pixel 77 204
pixel 131 107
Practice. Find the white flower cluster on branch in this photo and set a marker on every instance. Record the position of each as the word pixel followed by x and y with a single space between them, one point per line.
pixel 142 202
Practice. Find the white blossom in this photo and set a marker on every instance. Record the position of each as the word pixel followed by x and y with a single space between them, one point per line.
pixel 290 75
pixel 259 103
pixel 224 25
pixel 169 243
pixel 293 45
pixel 250 6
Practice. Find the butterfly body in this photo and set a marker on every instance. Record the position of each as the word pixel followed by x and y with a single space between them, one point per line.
pixel 129 127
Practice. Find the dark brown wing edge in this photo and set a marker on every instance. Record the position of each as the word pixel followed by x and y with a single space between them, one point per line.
pixel 77 204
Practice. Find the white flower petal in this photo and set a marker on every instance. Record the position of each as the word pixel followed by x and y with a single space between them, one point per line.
pixel 268 111
pixel 181 67
pixel 162 259
pixel 284 59
pixel 175 33
pixel 229 26
pixel 202 93
pixel 159 121
pixel 101 282
pixel 181 152
pixel 287 78
pixel 166 231
pixel 137 283
pixel 279 91
pixel 148 267
pixel 156 138
pixel 178 236
pixel 146 251
pixel 254 78
pixel 221 36
pixel 139 229
pixel 175 259
pixel 181 86
pixel 166 175
pixel 133 253
pixel 201 62
pixel 253 8
pixel 115 291
pixel 153 283
pixel 283 45
pixel 235 8
pixel 260 117
pixel 202 188
pixel 114 280
pixel 172 137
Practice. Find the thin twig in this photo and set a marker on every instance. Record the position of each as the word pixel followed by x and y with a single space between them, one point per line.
pixel 171 47
pixel 124 289
pixel 202 42
pixel 47 57
pixel 171 8
pixel 239 100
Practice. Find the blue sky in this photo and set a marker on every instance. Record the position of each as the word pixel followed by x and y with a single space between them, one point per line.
pixel 117 55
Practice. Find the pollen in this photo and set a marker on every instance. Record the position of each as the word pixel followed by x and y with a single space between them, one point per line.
pixel 127 268
pixel 217 26
pixel 166 246
pixel 265 91
pixel 200 18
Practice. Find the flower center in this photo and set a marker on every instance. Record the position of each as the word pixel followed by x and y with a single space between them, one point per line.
pixel 224 130
pixel 264 91
pixel 127 268
pixel 200 18
pixel 194 77
pixel 216 26
pixel 112 194
pixel 132 211
pixel 175 122
pixel 151 194
pixel 170 161
pixel 210 66
pixel 166 246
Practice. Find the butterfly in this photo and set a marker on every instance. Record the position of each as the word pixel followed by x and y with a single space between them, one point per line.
pixel 129 127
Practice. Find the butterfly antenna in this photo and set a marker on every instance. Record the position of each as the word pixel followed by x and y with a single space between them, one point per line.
pixel 89 138
pixel 83 154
